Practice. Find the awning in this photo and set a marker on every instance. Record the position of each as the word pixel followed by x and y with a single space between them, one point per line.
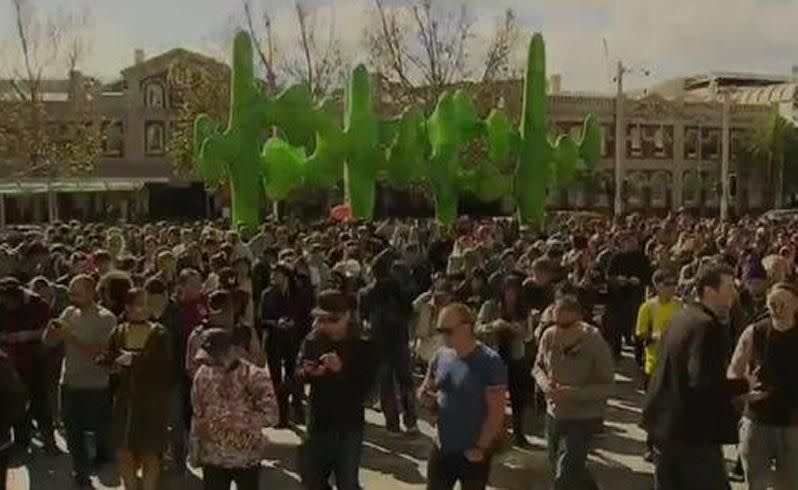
pixel 11 188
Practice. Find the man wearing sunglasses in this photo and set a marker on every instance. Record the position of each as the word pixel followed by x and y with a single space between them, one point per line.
pixel 652 321
pixel 338 366
pixel 466 384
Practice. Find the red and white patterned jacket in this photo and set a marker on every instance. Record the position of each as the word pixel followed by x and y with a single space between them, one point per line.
pixel 232 405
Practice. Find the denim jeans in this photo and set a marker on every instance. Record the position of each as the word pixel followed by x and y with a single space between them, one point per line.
pixel 334 452
pixel 395 372
pixel 216 478
pixel 759 445
pixel 568 443
pixel 83 411
pixel 688 466
pixel 444 470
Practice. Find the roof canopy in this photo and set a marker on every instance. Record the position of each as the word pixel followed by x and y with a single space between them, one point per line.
pixel 12 188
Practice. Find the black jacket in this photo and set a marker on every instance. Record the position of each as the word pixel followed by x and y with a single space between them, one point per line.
pixel 387 306
pixel 689 398
pixel 337 400
pixel 13 396
pixel 293 305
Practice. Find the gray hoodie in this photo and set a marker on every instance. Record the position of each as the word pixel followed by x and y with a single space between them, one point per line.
pixel 582 362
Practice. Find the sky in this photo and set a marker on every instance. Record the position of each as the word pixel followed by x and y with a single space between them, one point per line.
pixel 669 38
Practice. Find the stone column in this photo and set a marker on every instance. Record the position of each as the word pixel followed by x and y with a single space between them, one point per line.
pixel 677 181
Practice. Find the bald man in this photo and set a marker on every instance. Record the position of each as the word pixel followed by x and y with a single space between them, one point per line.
pixel 84 329
pixel 467 383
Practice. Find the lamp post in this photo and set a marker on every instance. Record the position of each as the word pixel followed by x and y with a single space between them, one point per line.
pixel 620 134
pixel 724 162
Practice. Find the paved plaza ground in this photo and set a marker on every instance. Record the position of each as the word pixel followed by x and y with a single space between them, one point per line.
pixel 399 463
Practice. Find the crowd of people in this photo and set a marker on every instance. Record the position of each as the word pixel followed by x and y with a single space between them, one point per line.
pixel 178 345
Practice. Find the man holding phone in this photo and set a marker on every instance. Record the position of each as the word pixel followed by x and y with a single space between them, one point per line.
pixel 338 366
pixel 84 328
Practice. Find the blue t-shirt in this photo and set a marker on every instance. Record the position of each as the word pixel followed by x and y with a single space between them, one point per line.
pixel 461 387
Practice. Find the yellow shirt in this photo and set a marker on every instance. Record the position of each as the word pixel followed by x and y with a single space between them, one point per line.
pixel 652 321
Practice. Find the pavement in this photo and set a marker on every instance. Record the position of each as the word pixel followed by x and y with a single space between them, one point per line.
pixel 399 462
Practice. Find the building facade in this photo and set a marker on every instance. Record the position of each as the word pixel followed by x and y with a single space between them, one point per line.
pixel 134 176
pixel 671 150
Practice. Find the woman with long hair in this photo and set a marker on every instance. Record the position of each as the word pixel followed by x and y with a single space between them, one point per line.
pixel 504 323
pixel 140 352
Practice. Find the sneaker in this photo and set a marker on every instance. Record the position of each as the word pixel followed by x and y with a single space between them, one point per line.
pixel 412 430
pixel 394 431
pixel 82 481
pixel 737 474
pixel 522 442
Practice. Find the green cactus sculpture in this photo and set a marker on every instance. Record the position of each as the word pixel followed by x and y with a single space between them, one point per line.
pixel 235 155
pixel 541 162
pixel 410 148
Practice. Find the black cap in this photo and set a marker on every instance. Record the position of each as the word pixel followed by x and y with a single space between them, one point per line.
pixel 332 302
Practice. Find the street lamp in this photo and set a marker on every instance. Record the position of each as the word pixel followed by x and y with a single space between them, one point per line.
pixel 620 131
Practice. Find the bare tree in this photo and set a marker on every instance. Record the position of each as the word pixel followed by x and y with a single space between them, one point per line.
pixel 317 62
pixel 49 138
pixel 263 41
pixel 423 47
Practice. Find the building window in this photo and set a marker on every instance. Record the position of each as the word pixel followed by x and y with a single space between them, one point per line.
pixel 607 140
pixel 710 143
pixel 737 144
pixel 154 95
pixel 691 143
pixel 114 139
pixel 155 138
pixel 634 141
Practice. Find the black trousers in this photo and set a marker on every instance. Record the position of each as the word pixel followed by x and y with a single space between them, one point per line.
pixel 36 384
pixel 444 470
pixel 216 478
pixel 518 386
pixel 281 355
pixel 4 456
pixel 395 375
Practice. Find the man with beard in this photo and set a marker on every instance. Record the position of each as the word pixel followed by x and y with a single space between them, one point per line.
pixel 337 364
pixel 386 307
pixel 574 370
pixel 688 410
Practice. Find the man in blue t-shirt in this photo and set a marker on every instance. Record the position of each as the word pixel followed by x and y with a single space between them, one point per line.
pixel 466 383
